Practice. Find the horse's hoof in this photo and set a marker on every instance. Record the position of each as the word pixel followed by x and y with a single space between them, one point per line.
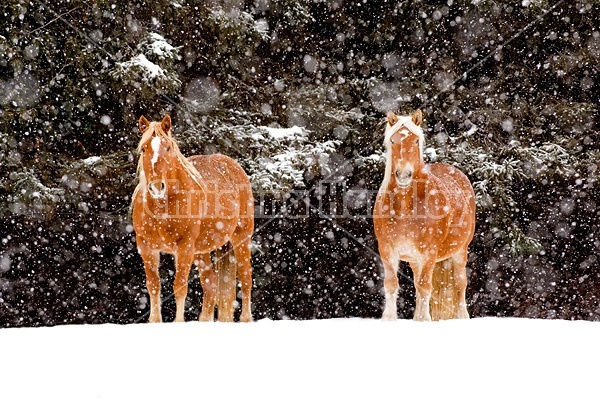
pixel 246 318
pixel 422 319
pixel 389 316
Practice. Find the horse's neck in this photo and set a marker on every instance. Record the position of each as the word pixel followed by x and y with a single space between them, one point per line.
pixel 180 183
pixel 183 178
pixel 183 195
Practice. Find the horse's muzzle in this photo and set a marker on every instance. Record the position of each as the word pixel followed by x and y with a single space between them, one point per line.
pixel 403 178
pixel 157 189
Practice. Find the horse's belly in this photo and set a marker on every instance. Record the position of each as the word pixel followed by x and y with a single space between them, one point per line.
pixel 408 251
pixel 157 237
pixel 214 233
pixel 415 241
pixel 456 240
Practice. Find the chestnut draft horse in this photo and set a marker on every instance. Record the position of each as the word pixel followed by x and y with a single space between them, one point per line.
pixel 190 207
pixel 424 214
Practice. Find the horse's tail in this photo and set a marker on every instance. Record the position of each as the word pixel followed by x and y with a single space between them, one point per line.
pixel 444 300
pixel 226 267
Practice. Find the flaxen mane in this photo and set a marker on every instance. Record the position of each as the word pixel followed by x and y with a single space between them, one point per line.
pixel 155 130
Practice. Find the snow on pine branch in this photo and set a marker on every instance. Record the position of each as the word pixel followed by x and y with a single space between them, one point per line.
pixel 281 164
pixel 546 158
pixel 30 194
pixel 158 46
pixel 237 20
pixel 285 171
pixel 276 159
pixel 152 64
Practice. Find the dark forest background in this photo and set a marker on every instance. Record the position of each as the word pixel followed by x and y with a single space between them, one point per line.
pixel 509 91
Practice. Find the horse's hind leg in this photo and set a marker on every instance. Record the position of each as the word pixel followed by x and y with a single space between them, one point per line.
pixel 459 262
pixel 151 263
pixel 242 252
pixel 208 279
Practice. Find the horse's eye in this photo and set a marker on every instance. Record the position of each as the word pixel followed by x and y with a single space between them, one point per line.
pixel 168 148
pixel 143 149
pixel 391 141
pixel 417 142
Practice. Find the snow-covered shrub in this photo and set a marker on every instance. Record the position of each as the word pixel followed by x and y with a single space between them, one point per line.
pixel 30 196
pixel 275 158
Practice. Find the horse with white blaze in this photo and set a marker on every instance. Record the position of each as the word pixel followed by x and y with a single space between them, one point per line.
pixel 424 214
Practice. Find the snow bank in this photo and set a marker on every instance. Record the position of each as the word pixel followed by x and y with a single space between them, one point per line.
pixel 485 357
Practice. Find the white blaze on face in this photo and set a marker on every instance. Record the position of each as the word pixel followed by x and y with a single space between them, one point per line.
pixel 155 149
pixel 403 121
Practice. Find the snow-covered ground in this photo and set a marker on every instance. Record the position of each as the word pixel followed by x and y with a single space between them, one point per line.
pixel 485 357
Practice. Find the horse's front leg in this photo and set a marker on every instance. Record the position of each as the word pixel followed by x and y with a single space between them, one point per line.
pixel 390 283
pixel 151 263
pixel 423 276
pixel 183 262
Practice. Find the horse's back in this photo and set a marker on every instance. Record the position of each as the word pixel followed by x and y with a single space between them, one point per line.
pixel 219 168
pixel 458 191
pixel 454 179
pixel 225 176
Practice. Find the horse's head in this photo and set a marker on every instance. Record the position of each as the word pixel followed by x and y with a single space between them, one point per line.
pixel 404 143
pixel 157 153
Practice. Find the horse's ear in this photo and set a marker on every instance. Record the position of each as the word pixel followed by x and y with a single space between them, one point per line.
pixel 143 123
pixel 417 117
pixel 166 124
pixel 392 118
